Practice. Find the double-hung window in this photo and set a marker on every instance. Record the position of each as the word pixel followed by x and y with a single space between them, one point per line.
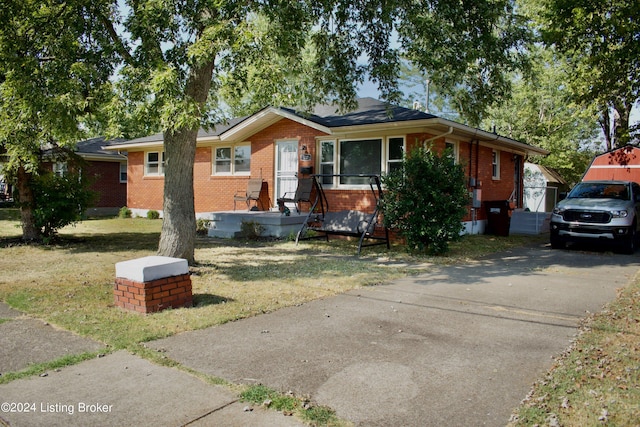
pixel 451 149
pixel 495 164
pixel 232 160
pixel 395 153
pixel 154 163
pixel 327 161
pixel 60 168
pixel 123 173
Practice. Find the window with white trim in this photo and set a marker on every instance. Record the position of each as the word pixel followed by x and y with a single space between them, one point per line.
pixel 154 163
pixel 370 156
pixel 495 164
pixel 451 148
pixel 395 153
pixel 359 156
pixel 123 173
pixel 232 160
pixel 327 161
pixel 60 168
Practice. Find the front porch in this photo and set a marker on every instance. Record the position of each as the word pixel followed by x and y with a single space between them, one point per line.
pixel 228 224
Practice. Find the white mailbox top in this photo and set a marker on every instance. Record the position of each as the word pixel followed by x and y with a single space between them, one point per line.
pixel 151 268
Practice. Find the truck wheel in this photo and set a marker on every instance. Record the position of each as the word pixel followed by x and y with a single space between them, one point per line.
pixel 556 241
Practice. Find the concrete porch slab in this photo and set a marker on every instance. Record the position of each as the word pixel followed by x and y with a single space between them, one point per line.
pixel 228 224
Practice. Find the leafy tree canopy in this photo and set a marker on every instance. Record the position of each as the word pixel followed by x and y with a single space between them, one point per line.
pixel 599 40
pixel 181 57
pixel 54 58
pixel 543 112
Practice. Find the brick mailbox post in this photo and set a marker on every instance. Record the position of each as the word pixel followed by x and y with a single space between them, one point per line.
pixel 152 284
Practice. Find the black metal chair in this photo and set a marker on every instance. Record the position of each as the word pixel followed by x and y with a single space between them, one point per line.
pixel 302 194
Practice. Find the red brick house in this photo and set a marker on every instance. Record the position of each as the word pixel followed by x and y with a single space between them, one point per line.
pixel 622 164
pixel 109 170
pixel 279 144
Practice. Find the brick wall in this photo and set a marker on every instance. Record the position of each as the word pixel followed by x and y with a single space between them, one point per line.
pixel 155 295
pixel 215 193
pixel 143 192
pixel 477 163
pixel 112 193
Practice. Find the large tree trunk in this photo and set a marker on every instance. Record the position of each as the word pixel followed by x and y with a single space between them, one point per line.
pixel 177 238
pixel 26 202
pixel 178 235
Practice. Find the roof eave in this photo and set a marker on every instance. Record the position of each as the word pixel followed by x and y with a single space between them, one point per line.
pixel 263 119
pixel 428 125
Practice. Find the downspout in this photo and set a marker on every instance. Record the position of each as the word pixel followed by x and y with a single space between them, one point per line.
pixel 426 141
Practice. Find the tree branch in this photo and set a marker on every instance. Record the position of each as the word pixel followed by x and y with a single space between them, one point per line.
pixel 119 44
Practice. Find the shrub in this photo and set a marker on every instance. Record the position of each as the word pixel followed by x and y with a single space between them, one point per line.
pixel 426 200
pixel 153 214
pixel 124 212
pixel 60 201
pixel 251 230
pixel 202 226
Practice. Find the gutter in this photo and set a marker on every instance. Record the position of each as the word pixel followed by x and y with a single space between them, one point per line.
pixel 426 141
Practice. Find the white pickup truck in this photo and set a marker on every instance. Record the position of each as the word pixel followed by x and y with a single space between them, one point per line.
pixel 598 210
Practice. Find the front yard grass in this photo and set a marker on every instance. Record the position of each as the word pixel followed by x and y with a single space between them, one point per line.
pixel 70 283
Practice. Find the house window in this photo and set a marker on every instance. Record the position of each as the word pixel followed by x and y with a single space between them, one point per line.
pixel 495 164
pixel 327 161
pixel 362 156
pixel 451 149
pixel 359 157
pixel 60 168
pixel 232 160
pixel 395 153
pixel 123 173
pixel 154 163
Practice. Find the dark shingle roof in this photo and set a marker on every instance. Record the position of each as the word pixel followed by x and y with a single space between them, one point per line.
pixel 369 111
pixel 94 146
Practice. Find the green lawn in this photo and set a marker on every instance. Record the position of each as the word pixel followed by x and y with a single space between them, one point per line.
pixel 70 284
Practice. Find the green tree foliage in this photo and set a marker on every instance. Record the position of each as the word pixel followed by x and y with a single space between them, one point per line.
pixel 178 56
pixel 60 200
pixel 599 40
pixel 426 200
pixel 53 62
pixel 542 111
pixel 467 48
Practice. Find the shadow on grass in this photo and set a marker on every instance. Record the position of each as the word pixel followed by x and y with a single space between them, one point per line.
pixel 202 300
pixel 112 242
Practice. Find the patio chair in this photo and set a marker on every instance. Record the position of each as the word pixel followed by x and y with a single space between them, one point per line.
pixel 254 188
pixel 302 194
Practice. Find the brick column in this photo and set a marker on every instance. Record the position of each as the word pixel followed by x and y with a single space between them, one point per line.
pixel 152 284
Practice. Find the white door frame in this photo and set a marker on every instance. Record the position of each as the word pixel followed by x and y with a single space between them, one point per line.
pixel 286 167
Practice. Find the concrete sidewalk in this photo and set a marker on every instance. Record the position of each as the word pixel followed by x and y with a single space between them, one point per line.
pixel 460 346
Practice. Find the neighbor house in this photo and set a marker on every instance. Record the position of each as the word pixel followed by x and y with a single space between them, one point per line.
pixel 106 169
pixel 620 164
pixel 280 144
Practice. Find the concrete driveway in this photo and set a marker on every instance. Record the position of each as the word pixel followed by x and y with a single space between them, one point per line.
pixel 459 346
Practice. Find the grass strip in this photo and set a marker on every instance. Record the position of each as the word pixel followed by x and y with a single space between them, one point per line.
pixel 42 368
pixel 289 404
pixel 596 381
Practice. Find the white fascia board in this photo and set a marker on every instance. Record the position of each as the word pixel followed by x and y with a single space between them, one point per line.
pixel 439 125
pixel 264 119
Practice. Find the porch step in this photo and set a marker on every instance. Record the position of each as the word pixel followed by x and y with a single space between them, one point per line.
pixel 530 223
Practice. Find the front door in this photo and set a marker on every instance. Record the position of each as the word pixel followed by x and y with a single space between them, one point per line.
pixel 286 168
